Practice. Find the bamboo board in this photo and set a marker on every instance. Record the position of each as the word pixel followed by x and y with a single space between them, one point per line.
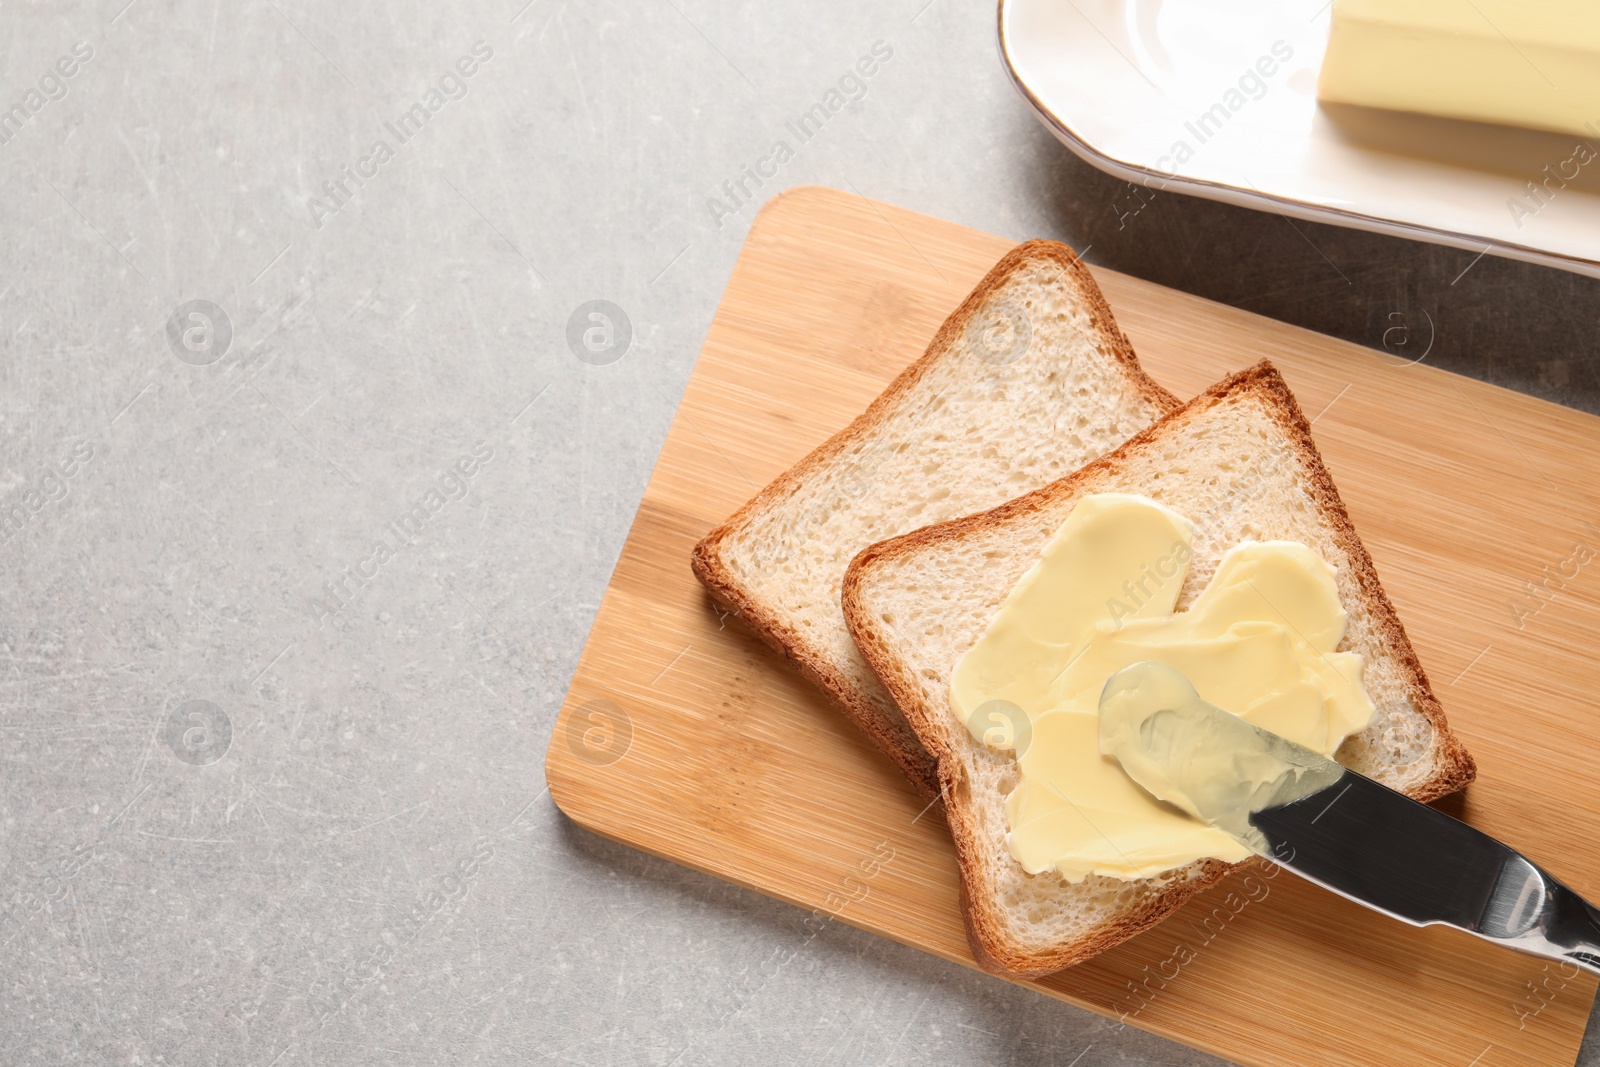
pixel 684 736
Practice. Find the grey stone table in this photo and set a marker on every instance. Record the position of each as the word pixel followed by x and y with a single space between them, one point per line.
pixel 309 505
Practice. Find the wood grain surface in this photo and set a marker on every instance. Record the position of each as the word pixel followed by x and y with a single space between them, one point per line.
pixel 683 735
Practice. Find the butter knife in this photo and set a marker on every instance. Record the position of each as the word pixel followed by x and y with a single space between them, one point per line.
pixel 1336 827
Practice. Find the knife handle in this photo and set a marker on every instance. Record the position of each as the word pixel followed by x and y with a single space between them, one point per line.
pixel 1531 910
pixel 1572 928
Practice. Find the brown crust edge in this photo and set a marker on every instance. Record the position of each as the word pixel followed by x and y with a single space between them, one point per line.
pixel 1453 770
pixel 729 594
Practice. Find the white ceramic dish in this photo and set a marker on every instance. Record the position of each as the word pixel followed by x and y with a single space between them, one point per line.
pixel 1126 84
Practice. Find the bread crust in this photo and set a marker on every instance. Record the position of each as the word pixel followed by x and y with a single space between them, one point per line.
pixel 810 660
pixel 1453 765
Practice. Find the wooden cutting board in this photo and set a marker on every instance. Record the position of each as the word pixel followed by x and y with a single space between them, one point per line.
pixel 684 736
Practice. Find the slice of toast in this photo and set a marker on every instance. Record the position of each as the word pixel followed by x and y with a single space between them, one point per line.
pixel 1025 382
pixel 1238 461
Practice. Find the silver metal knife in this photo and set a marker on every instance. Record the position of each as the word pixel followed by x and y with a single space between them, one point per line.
pixel 1333 826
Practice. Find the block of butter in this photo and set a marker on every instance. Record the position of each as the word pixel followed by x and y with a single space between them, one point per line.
pixel 1533 63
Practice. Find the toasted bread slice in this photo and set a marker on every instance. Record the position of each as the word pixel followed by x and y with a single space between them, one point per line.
pixel 1025 382
pixel 1239 462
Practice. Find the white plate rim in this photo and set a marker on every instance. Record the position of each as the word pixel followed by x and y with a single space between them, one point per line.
pixel 1260 200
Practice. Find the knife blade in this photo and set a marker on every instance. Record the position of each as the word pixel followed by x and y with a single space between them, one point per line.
pixel 1333 826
